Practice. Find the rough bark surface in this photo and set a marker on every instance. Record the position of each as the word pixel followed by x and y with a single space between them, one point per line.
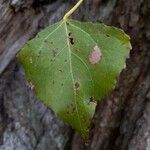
pixel 121 121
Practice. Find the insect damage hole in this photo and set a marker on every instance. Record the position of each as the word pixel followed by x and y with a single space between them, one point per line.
pixel 95 55
pixel 71 39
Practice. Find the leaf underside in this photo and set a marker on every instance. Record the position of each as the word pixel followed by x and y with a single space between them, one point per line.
pixel 70 65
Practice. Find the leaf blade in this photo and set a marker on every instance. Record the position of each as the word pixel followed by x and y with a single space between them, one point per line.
pixel 69 64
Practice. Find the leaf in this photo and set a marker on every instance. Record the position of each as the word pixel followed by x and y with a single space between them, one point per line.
pixel 72 64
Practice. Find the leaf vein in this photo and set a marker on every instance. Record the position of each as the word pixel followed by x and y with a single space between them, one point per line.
pixel 71 72
pixel 84 63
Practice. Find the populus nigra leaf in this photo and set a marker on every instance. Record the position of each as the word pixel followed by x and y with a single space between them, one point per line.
pixel 71 65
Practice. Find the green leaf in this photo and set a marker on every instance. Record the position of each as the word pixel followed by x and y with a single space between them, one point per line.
pixel 72 64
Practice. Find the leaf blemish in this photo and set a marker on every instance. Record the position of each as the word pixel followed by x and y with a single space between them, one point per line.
pixel 54 51
pixel 31 61
pixel 45 41
pixel 92 101
pixel 30 85
pixel 71 40
pixel 95 55
pixel 39 53
pixel 77 50
pixel 77 86
pixel 71 108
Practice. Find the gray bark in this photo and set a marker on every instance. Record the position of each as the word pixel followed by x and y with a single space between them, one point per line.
pixel 121 121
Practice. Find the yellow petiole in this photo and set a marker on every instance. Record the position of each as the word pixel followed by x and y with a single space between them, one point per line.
pixel 68 14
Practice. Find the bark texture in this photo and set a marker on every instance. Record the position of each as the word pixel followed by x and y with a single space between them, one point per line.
pixel 121 121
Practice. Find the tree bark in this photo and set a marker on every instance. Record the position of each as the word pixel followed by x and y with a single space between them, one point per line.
pixel 122 119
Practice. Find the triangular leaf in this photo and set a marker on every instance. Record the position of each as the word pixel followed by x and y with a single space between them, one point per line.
pixel 72 64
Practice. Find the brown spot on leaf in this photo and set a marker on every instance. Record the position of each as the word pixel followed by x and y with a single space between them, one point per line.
pixel 30 59
pixel 69 34
pixel 30 85
pixel 92 101
pixel 77 50
pixel 71 108
pixel 39 53
pixel 77 86
pixel 95 55
pixel 54 51
pixel 45 41
pixel 71 39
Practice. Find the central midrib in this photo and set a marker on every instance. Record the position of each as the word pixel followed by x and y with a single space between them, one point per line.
pixel 72 76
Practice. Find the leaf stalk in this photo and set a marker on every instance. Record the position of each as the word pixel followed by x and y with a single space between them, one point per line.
pixel 69 13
